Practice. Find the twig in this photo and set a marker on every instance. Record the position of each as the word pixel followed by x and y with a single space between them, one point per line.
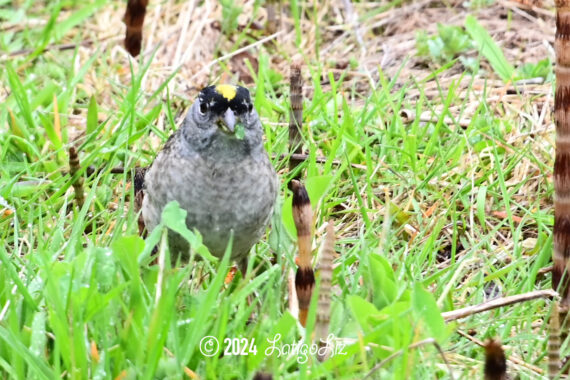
pixel 301 157
pixel 180 46
pixel 496 303
pixel 545 270
pixel 297 156
pixel 529 81
pixel 318 159
pixel 409 116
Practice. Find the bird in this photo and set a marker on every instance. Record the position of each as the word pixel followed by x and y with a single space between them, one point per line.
pixel 216 167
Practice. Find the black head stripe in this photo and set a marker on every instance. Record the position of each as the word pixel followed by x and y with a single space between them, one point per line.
pixel 218 101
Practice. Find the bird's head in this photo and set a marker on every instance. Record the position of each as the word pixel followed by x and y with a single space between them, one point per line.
pixel 223 114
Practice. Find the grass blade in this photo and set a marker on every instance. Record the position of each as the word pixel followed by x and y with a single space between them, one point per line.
pixel 489 48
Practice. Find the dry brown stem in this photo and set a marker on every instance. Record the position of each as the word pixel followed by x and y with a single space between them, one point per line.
pixel 496 303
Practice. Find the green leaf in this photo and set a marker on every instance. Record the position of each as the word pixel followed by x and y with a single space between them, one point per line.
pixel 489 49
pixel 317 187
pixel 542 69
pixel 279 237
pixel 363 311
pixel 174 218
pixel 426 309
pixel 151 241
pixel 446 45
pixel 454 38
pixel 381 277
pixel 240 131
pixel 105 267
pixel 127 249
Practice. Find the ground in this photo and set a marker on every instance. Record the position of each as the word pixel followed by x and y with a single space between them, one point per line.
pixel 431 144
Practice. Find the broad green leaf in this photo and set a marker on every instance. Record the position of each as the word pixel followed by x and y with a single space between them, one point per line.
pixel 317 187
pixel 426 309
pixel 150 242
pixel 381 278
pixel 127 249
pixel 239 131
pixel 174 218
pixel 363 311
pixel 105 267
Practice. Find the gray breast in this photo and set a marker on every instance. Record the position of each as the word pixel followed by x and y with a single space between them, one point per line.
pixel 218 196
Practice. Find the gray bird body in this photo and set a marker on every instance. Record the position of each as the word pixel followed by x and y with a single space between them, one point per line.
pixel 224 183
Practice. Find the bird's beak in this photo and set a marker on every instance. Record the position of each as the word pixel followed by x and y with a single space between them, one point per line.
pixel 228 121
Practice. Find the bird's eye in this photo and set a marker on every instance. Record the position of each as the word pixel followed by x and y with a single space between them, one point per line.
pixel 250 107
pixel 203 108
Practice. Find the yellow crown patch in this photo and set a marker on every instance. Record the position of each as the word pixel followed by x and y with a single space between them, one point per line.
pixel 226 90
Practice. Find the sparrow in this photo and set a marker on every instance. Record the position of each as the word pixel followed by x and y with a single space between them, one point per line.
pixel 216 167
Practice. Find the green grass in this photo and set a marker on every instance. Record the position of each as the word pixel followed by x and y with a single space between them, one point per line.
pixel 80 297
